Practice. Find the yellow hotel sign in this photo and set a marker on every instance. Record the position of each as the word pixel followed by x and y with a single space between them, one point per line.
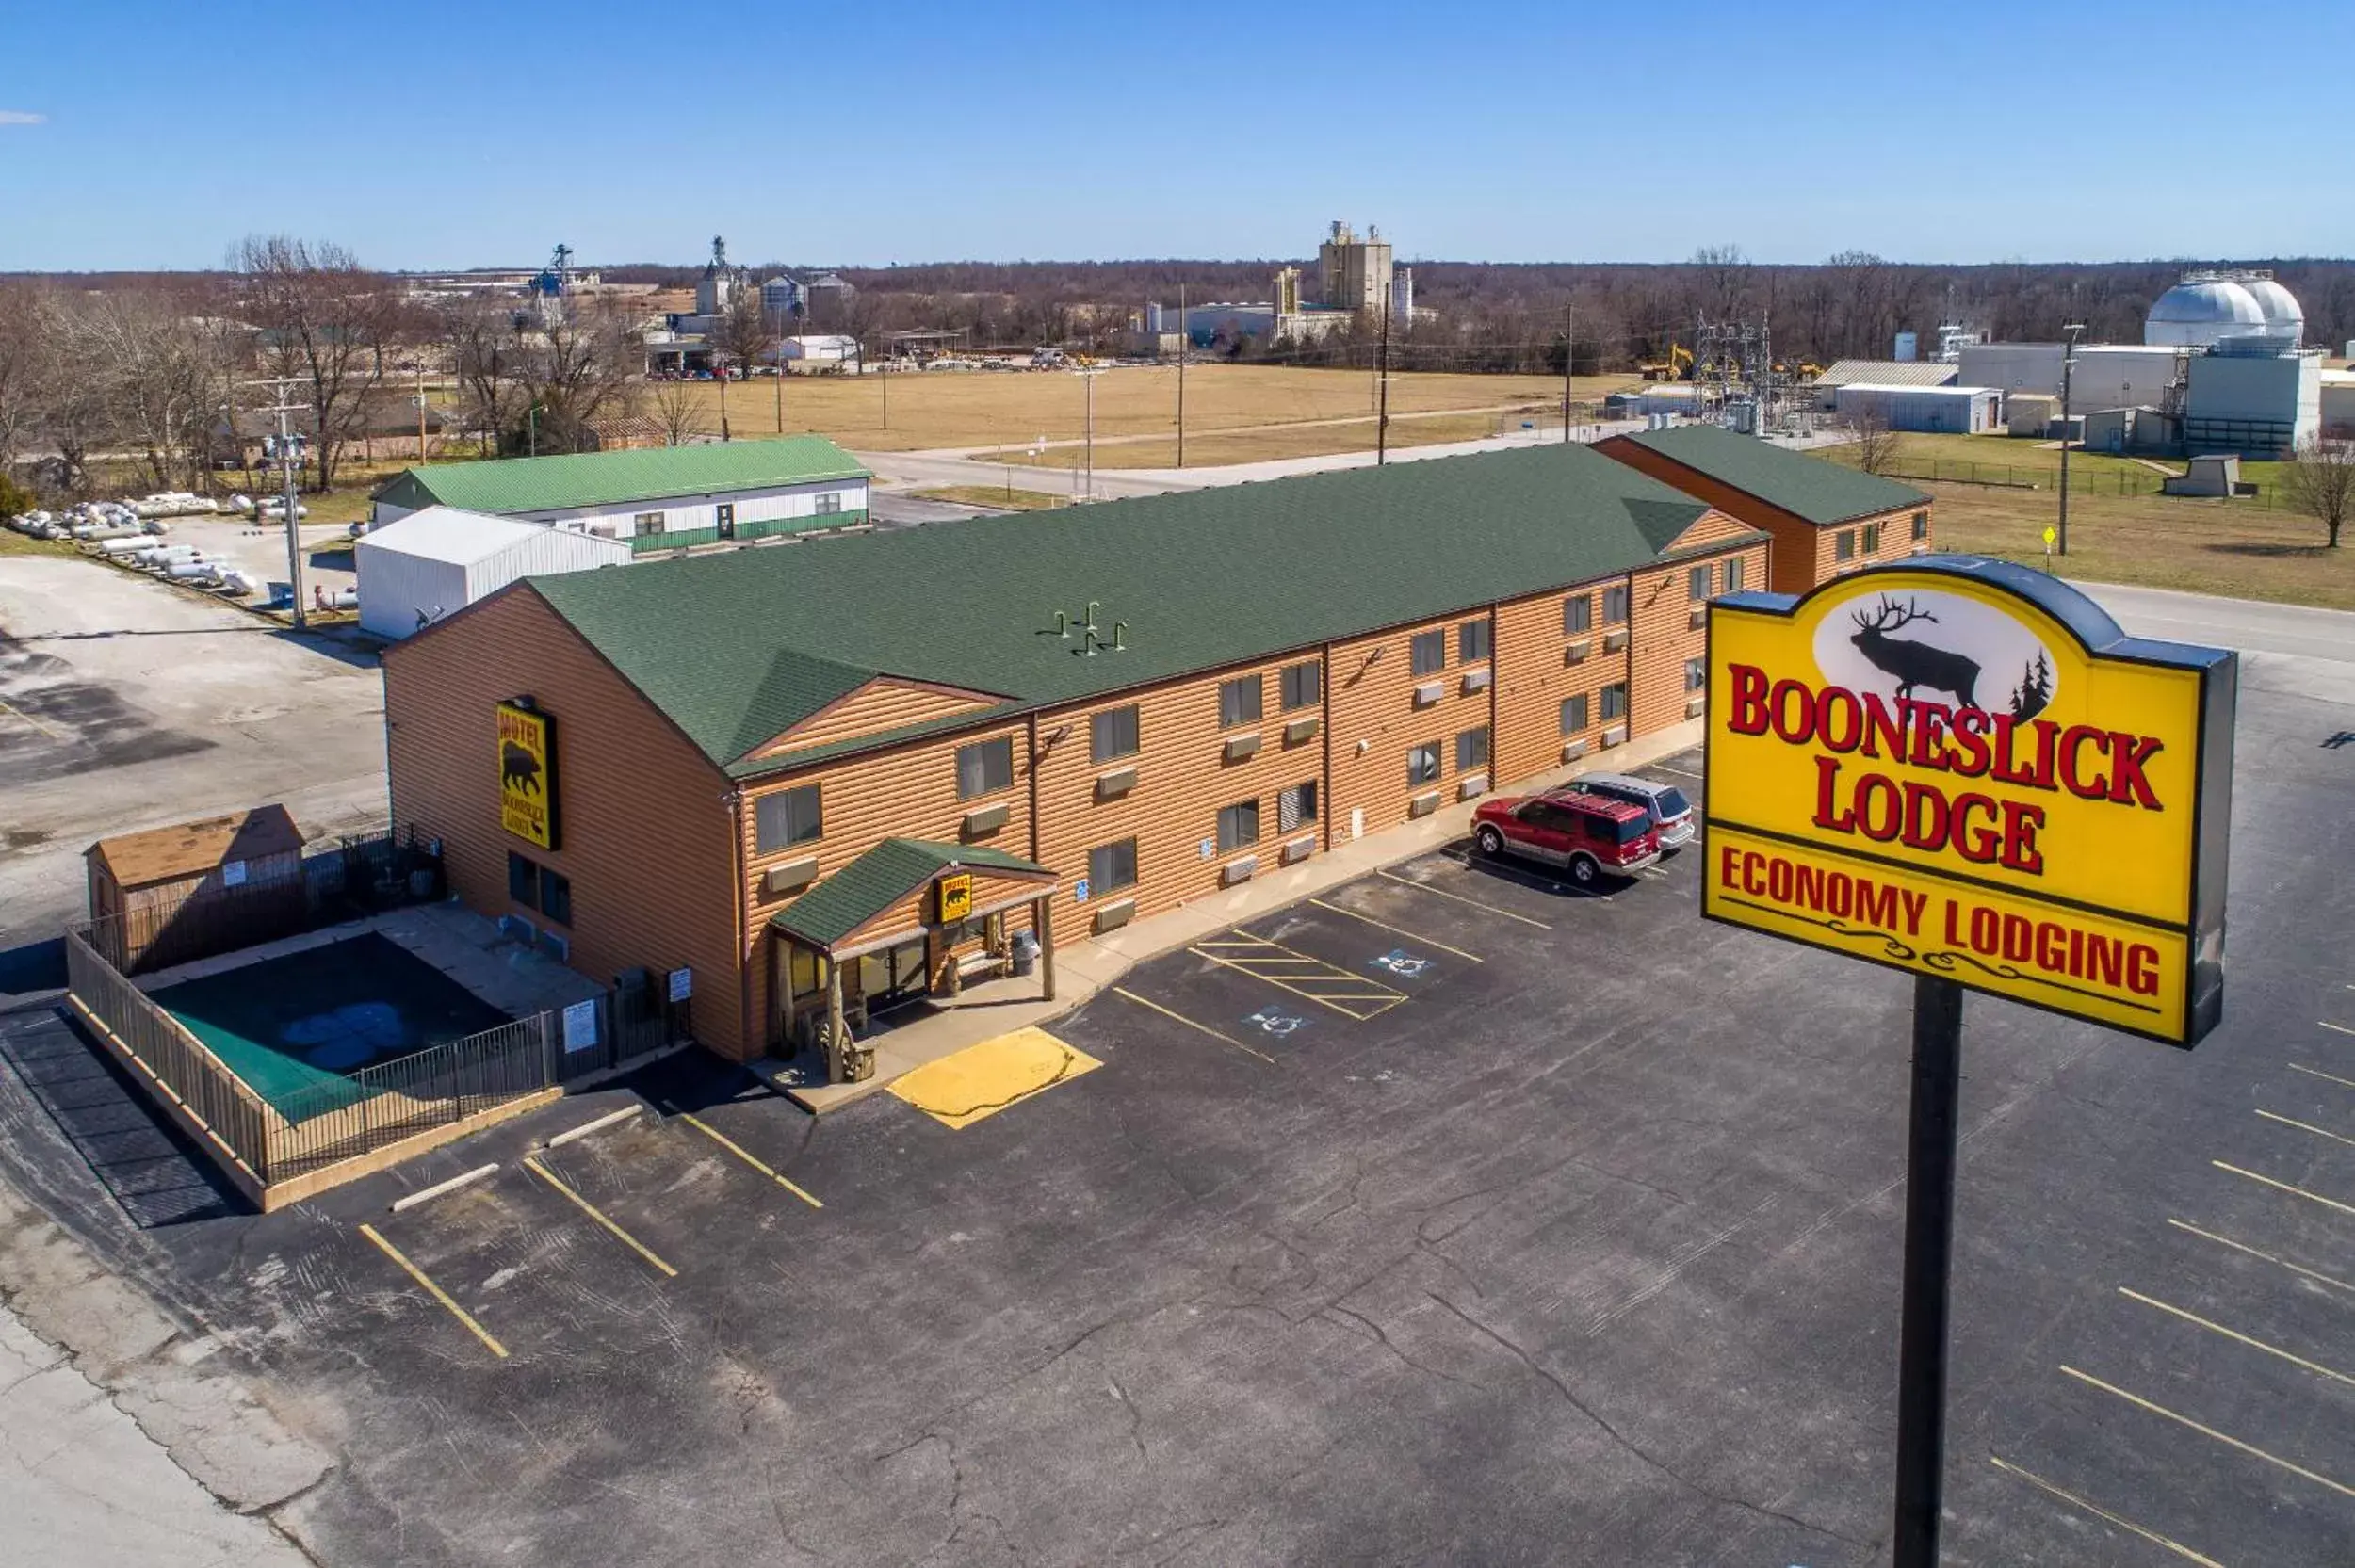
pixel 527 740
pixel 956 898
pixel 1963 767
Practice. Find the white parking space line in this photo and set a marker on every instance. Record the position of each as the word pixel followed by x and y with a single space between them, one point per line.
pixel 1441 892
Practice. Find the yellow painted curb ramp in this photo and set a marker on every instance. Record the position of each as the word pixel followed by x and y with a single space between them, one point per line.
pixel 981 1080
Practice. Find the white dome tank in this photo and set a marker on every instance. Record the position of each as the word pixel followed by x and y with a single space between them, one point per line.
pixel 2198 312
pixel 2283 318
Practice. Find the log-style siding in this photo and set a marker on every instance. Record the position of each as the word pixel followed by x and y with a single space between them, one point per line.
pixel 878 706
pixel 1375 721
pixel 644 831
pixel 1536 675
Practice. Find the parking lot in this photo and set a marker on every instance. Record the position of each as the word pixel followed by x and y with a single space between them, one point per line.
pixel 1453 1215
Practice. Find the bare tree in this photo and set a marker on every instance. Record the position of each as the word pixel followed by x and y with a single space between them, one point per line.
pixel 677 409
pixel 2320 481
pixel 486 353
pixel 741 334
pixel 22 351
pixel 571 373
pixel 1874 447
pixel 326 322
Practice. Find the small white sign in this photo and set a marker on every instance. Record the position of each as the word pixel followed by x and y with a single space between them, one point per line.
pixel 232 873
pixel 682 984
pixel 1080 890
pixel 1209 847
pixel 580 1026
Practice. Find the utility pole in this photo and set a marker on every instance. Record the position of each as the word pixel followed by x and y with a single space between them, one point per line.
pixel 719 363
pixel 289 462
pixel 1569 355
pixel 779 352
pixel 1382 384
pixel 885 371
pixel 421 410
pixel 2069 364
pixel 1184 341
pixel 1089 457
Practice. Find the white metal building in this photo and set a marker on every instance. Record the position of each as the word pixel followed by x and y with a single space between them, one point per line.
pixel 1927 409
pixel 813 351
pixel 1842 373
pixel 2338 404
pixel 434 562
pixel 2253 398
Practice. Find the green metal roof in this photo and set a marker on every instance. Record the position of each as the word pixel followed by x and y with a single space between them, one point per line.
pixel 883 876
pixel 509 485
pixel 738 647
pixel 1820 491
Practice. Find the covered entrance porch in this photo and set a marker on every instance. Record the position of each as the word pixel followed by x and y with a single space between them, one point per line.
pixel 911 921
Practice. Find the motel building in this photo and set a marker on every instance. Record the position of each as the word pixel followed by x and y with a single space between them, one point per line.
pixel 657 498
pixel 809 785
pixel 1825 518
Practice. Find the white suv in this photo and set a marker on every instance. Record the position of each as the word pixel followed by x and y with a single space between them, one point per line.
pixel 1671 812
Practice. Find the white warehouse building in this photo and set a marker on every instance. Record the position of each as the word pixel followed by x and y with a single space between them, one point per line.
pixel 435 563
pixel 2106 376
pixel 1927 409
pixel 657 498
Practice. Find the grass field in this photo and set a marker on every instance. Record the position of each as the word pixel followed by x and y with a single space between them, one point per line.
pixel 1269 441
pixel 2238 548
pixel 992 496
pixel 971 409
pixel 2003 460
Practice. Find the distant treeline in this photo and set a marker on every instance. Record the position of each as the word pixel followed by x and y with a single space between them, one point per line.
pixel 1510 316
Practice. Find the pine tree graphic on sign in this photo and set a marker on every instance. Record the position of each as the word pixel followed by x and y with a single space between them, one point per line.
pixel 2034 690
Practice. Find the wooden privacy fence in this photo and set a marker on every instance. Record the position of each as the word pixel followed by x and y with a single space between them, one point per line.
pixel 267 1146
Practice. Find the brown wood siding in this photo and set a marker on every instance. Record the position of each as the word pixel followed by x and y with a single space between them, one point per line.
pixel 1712 527
pixel 1897 543
pixel 1534 679
pixel 876 708
pixel 1184 781
pixel 1804 552
pixel 1662 613
pixel 643 827
pixel 907 791
pixel 1372 701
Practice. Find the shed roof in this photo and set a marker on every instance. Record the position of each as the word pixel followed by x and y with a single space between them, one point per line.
pixel 1888 372
pixel 869 885
pixel 509 485
pixel 454 536
pixel 191 849
pixel 736 648
pixel 1815 489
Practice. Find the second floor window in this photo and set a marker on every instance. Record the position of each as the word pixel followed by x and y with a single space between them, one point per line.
pixel 1697 582
pixel 1614 606
pixel 1472 641
pixel 787 817
pixel 1304 685
pixel 1427 654
pixel 985 767
pixel 1112 734
pixel 1239 701
pixel 1578 613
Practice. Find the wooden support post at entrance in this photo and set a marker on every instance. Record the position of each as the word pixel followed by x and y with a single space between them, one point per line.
pixel 1043 911
pixel 837 1032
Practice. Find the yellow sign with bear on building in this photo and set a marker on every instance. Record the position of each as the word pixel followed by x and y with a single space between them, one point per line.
pixel 527 739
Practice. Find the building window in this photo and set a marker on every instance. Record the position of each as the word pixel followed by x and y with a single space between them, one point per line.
pixel 983 766
pixel 1422 763
pixel 1303 684
pixel 1427 654
pixel 1921 526
pixel 1573 714
pixel 1238 825
pixel 1239 701
pixel 523 881
pixel 1578 613
pixel 829 503
pixel 1614 701
pixel 1112 734
pixel 647 524
pixel 1872 537
pixel 1472 641
pixel 1733 574
pixel 1695 674
pixel 1113 866
pixel 787 817
pixel 1614 606
pixel 1844 547
pixel 807 974
pixel 1472 749
pixel 1297 806
pixel 1697 582
pixel 555 897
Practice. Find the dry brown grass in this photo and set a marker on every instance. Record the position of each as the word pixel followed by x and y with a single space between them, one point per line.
pixel 2239 548
pixel 993 496
pixel 1014 408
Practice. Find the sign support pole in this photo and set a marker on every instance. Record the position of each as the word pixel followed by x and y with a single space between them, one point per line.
pixel 1930 1156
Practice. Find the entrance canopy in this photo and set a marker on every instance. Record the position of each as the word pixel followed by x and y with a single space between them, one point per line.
pixel 889 894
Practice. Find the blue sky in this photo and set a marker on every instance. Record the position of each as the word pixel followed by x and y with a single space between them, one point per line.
pixel 155 132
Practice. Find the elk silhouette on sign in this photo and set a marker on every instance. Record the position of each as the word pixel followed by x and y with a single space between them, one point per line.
pixel 1914 664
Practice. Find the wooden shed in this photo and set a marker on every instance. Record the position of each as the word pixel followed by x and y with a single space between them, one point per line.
pixel 170 895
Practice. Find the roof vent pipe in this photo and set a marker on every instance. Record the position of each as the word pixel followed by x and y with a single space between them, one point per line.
pixel 1120 632
pixel 1062 625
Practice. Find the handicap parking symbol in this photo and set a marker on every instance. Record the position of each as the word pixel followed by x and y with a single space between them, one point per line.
pixel 1398 960
pixel 1281 1024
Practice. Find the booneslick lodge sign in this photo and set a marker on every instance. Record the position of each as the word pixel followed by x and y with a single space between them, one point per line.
pixel 1963 768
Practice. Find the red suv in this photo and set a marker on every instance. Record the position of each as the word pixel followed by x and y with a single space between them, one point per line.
pixel 1582 833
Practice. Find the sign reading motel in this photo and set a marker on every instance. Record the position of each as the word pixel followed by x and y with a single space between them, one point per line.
pixel 1961 768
